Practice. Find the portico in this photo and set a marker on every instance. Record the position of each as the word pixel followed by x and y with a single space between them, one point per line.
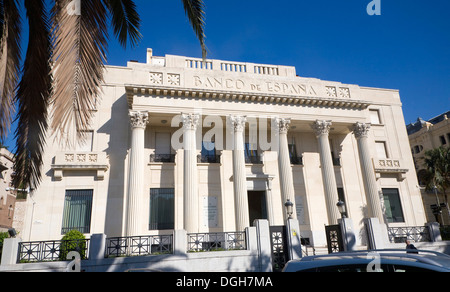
pixel 210 146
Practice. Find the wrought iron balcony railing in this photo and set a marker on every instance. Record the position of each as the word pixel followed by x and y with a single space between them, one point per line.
pixel 414 233
pixel 139 245
pixel 297 160
pixel 162 158
pixel 221 241
pixel 208 158
pixel 51 251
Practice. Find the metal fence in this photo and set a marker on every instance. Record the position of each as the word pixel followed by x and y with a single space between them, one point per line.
pixel 51 251
pixel 221 241
pixel 414 233
pixel 139 245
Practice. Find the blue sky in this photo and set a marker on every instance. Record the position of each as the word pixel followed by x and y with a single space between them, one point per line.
pixel 407 47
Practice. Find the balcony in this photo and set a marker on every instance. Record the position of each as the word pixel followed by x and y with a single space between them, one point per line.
pixel 208 158
pixel 162 158
pixel 69 161
pixel 390 165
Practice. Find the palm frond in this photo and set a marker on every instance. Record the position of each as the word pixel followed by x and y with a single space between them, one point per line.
pixel 9 61
pixel 78 57
pixel 125 21
pixel 32 98
pixel 196 14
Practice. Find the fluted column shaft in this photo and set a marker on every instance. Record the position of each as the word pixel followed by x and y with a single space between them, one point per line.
pixel 284 164
pixel 373 200
pixel 134 223
pixel 239 175
pixel 322 130
pixel 190 180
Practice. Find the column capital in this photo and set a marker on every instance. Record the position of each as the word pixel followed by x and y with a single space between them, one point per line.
pixel 190 121
pixel 237 122
pixel 321 127
pixel 361 130
pixel 282 125
pixel 138 119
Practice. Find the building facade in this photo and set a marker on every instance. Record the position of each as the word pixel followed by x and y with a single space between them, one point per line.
pixel 210 146
pixel 7 196
pixel 423 136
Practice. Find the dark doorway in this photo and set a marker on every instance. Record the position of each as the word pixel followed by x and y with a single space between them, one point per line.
pixel 257 206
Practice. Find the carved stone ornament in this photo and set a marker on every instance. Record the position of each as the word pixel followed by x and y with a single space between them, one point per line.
pixel 237 123
pixel 321 127
pixel 138 119
pixel 282 125
pixel 190 121
pixel 361 130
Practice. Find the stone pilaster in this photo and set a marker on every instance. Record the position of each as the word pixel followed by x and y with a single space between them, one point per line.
pixel 239 176
pixel 361 131
pixel 284 164
pixel 134 223
pixel 190 180
pixel 322 130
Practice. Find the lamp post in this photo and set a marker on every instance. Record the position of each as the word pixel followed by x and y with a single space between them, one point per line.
pixel 341 208
pixel 289 208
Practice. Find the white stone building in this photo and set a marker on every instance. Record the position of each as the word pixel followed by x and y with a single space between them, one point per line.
pixel 177 143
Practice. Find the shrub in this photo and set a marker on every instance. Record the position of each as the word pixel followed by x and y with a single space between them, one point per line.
pixel 73 240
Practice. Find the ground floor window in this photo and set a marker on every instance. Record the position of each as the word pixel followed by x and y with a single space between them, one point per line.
pixel 162 209
pixel 393 205
pixel 77 211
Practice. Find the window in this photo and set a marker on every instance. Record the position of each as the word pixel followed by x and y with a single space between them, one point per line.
pixel 209 153
pixel 392 203
pixel 77 211
pixel 381 149
pixel 295 159
pixel 251 153
pixel 374 117
pixel 442 139
pixel 163 144
pixel 86 144
pixel 162 216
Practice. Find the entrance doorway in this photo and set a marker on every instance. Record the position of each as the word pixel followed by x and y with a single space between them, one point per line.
pixel 257 205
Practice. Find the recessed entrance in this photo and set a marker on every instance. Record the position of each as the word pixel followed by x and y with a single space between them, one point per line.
pixel 257 205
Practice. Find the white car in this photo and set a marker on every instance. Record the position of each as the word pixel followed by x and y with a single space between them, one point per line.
pixel 387 260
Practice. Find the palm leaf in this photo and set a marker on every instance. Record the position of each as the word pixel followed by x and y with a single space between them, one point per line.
pixel 125 21
pixel 195 12
pixel 79 54
pixel 9 61
pixel 32 98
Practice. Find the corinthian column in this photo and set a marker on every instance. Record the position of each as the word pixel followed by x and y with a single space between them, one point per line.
pixel 322 130
pixel 361 131
pixel 284 163
pixel 239 176
pixel 134 223
pixel 190 181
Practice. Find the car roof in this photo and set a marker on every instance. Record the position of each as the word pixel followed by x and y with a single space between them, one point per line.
pixel 387 256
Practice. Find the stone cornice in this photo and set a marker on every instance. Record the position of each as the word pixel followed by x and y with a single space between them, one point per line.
pixel 250 97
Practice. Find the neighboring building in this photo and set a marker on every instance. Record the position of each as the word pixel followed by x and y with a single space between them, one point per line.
pixel 268 136
pixel 423 136
pixel 7 197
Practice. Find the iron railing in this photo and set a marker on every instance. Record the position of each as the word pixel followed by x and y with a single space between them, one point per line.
pixel 162 158
pixel 51 251
pixel 414 233
pixel 221 241
pixel 208 158
pixel 253 159
pixel 297 160
pixel 139 245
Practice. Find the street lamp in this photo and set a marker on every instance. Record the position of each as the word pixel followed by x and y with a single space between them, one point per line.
pixel 289 208
pixel 341 208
